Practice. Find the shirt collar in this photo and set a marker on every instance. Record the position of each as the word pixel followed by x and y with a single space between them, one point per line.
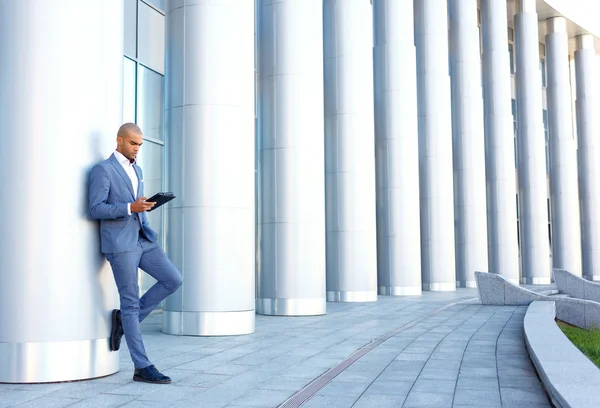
pixel 122 159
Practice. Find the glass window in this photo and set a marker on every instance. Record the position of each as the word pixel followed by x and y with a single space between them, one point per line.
pixel 516 150
pixel 543 70
pixel 547 157
pixel 151 42
pixel 545 119
pixel 128 91
pixel 150 103
pixel 511 53
pixel 130 26
pixel 159 4
pixel 151 160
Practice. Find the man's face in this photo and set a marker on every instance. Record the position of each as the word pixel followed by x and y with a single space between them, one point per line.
pixel 130 145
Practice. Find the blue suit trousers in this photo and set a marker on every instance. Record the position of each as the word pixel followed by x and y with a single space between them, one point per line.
pixel 151 259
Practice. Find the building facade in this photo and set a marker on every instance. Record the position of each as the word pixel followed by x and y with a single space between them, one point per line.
pixel 320 150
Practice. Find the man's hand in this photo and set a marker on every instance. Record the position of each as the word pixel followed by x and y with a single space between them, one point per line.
pixel 141 205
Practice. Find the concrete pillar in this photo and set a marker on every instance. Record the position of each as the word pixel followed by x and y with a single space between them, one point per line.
pixel 210 144
pixel 535 249
pixel 58 118
pixel 291 275
pixel 397 149
pixel 499 150
pixel 468 143
pixel 349 151
pixel 588 129
pixel 564 193
pixel 435 145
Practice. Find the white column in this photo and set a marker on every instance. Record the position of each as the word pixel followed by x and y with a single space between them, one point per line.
pixel 58 118
pixel 535 247
pixel 499 149
pixel 435 145
pixel 468 143
pixel 210 144
pixel 397 149
pixel 588 129
pixel 564 193
pixel 349 151
pixel 291 275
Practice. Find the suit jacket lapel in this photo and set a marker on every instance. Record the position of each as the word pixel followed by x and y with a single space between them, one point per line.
pixel 122 173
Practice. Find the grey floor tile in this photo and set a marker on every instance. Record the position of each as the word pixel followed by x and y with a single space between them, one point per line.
pixel 103 401
pixel 474 383
pixel 476 398
pixel 347 389
pixel 427 385
pixel 263 398
pixel 228 369
pixel 82 390
pixel 379 401
pixel 285 384
pixel 514 395
pixel 386 387
pixel 204 380
pixel 145 404
pixel 167 394
pixel 428 400
pixel 47 402
pixel 321 401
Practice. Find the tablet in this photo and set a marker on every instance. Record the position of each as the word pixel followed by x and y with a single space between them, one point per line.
pixel 160 199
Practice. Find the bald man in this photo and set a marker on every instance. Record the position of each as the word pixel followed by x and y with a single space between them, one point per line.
pixel 116 198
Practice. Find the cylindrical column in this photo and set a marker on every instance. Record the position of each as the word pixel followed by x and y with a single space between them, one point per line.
pixel 564 195
pixel 291 275
pixel 535 247
pixel 397 149
pixel 503 256
pixel 499 135
pixel 210 140
pixel 435 145
pixel 589 152
pixel 468 143
pixel 57 119
pixel 349 151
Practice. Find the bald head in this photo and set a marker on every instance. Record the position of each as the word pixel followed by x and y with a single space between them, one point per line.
pixel 129 129
pixel 129 140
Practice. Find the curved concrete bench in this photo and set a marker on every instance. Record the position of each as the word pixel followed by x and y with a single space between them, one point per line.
pixel 576 286
pixel 494 289
pixel 570 378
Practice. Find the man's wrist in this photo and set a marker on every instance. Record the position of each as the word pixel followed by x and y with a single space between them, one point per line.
pixel 128 208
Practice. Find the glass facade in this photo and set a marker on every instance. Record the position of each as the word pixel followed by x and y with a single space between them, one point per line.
pixel 143 100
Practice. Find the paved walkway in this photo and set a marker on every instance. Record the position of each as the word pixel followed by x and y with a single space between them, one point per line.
pixel 419 353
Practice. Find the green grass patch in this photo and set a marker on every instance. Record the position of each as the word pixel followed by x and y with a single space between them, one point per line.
pixel 588 341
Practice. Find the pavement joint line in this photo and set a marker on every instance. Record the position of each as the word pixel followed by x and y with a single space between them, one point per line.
pixel 321 381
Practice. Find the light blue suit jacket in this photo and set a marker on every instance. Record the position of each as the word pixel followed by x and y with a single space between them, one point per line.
pixel 110 190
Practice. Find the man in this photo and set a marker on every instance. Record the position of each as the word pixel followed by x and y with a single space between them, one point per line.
pixel 116 192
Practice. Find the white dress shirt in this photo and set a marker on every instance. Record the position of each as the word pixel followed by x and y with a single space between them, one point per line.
pixel 128 167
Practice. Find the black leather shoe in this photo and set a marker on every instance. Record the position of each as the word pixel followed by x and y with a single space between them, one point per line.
pixel 150 375
pixel 116 332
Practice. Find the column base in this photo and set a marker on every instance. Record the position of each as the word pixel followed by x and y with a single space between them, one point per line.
pixel 291 307
pixel 400 290
pixel 26 363
pixel 352 296
pixel 535 281
pixel 439 287
pixel 208 323
pixel 594 278
pixel 466 284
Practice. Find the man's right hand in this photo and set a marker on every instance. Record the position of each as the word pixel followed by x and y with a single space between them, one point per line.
pixel 141 205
